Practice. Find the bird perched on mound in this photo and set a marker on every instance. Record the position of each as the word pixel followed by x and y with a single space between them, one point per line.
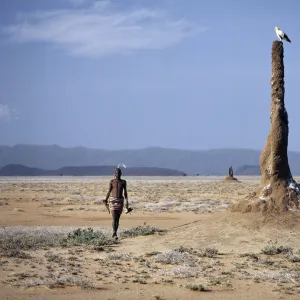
pixel 281 35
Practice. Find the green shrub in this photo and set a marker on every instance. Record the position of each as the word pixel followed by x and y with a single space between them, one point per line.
pixel 273 249
pixel 86 237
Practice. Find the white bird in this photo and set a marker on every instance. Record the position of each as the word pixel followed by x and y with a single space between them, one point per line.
pixel 281 35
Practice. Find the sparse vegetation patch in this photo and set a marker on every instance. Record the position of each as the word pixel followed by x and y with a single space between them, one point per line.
pixel 18 241
pixel 272 249
pixel 86 237
pixel 196 287
pixel 141 230
pixel 172 257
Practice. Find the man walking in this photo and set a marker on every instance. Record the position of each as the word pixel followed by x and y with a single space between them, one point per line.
pixel 118 191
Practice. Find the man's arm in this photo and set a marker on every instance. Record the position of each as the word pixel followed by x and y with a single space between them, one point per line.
pixel 125 194
pixel 108 193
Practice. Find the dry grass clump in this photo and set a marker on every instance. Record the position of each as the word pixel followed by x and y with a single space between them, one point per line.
pixel 53 257
pixel 209 252
pixel 206 252
pixel 141 230
pixel 119 256
pixel 172 257
pixel 274 275
pixel 196 287
pixel 18 241
pixel 272 249
pixel 294 258
pixel 182 272
pixel 67 280
pixel 14 252
pixel 86 237
pixel 54 281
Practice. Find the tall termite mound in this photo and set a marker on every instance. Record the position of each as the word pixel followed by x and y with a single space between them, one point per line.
pixel 278 191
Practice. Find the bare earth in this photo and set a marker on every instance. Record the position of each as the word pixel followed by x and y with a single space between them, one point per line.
pixel 206 252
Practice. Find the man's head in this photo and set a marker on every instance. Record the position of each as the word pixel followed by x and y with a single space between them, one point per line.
pixel 118 173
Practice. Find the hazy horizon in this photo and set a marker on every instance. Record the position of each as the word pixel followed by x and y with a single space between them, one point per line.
pixel 141 148
pixel 112 74
pixel 146 147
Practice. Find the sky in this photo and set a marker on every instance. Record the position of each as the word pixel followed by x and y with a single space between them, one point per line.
pixel 131 74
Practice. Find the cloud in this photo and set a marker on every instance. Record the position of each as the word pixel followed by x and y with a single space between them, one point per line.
pixel 7 114
pixel 98 30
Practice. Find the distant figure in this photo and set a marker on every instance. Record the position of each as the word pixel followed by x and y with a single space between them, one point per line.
pixel 230 172
pixel 116 203
pixel 230 175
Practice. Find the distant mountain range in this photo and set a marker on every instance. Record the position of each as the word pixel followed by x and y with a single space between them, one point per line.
pixel 20 170
pixel 248 170
pixel 202 162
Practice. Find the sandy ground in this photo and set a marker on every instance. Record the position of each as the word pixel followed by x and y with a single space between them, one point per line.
pixel 227 255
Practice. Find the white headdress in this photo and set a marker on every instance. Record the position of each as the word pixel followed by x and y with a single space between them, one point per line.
pixel 121 165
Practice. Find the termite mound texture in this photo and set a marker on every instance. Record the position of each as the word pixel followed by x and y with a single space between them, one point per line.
pixel 278 191
pixel 230 176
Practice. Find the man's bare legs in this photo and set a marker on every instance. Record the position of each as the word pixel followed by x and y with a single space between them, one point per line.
pixel 115 223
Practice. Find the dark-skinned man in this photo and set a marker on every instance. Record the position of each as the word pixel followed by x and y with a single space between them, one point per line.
pixel 118 192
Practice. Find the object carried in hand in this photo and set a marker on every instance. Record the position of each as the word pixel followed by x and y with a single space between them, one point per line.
pixel 128 210
pixel 106 205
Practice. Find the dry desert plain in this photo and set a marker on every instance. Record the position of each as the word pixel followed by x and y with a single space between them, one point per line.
pixel 180 241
